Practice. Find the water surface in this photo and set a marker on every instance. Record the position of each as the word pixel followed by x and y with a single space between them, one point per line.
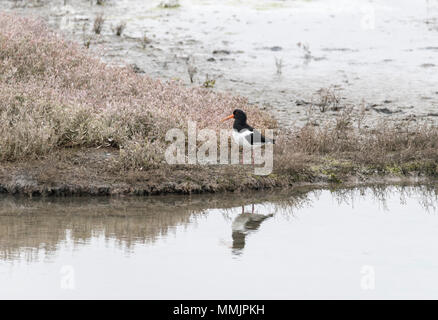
pixel 359 243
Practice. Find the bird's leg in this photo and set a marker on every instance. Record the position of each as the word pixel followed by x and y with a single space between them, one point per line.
pixel 243 209
pixel 252 208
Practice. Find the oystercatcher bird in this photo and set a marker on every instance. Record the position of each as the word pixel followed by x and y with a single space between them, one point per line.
pixel 244 134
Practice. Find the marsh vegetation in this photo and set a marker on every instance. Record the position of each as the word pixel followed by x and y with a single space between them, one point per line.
pixel 57 99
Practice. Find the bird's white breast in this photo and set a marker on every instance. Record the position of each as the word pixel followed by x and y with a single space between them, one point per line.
pixel 241 137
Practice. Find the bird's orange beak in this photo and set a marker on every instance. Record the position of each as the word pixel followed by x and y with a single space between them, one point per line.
pixel 229 117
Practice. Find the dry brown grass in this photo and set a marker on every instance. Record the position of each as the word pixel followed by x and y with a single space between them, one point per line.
pixel 98 23
pixel 53 95
pixel 118 30
pixel 388 145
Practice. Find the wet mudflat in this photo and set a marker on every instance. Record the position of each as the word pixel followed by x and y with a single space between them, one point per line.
pixel 379 56
pixel 365 243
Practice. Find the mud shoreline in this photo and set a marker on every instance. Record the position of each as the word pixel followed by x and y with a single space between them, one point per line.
pixel 76 173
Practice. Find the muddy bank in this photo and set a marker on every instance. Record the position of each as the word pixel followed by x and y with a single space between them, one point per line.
pixel 87 172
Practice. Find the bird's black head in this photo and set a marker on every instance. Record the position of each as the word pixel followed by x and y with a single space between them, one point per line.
pixel 239 120
pixel 239 115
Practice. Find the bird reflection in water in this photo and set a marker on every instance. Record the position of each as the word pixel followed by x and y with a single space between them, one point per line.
pixel 244 224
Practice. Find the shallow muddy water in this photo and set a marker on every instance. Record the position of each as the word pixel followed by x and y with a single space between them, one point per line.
pixel 358 243
pixel 380 54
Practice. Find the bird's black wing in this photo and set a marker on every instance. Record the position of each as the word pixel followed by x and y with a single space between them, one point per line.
pixel 258 138
pixel 255 137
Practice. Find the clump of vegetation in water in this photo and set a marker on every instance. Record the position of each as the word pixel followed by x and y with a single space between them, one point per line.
pixel 208 83
pixel 327 98
pixel 306 51
pixel 191 69
pixel 98 23
pixel 169 4
pixel 118 30
pixel 145 40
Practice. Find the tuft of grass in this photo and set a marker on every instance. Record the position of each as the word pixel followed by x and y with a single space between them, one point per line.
pixel 307 54
pixel 98 23
pixel 170 4
pixel 87 43
pixel 208 83
pixel 191 69
pixel 279 65
pixel 145 40
pixel 388 146
pixel 327 98
pixel 118 30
